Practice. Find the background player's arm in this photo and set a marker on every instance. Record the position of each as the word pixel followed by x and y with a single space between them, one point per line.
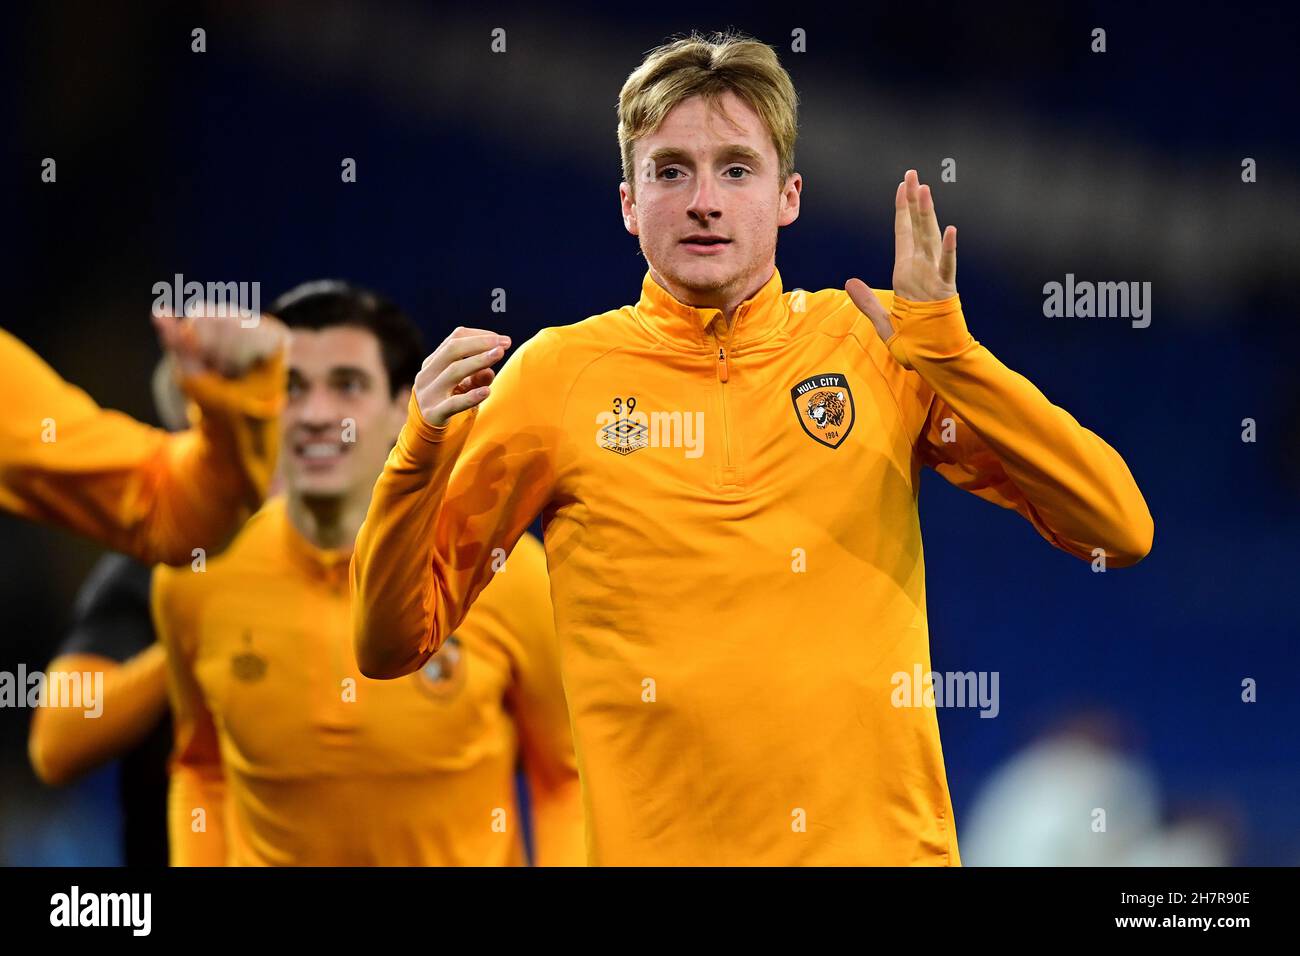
pixel 112 635
pixel 135 488
pixel 542 714
pixel 197 782
pixel 65 743
pixel 457 492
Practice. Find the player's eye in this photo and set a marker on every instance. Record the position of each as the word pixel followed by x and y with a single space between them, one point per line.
pixel 741 169
pixel 352 385
pixel 663 173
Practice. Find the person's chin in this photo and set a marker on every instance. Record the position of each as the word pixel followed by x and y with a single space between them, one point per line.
pixel 320 486
pixel 705 275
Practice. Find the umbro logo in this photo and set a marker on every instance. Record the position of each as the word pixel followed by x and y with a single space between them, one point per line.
pixel 625 429
pixel 624 436
pixel 248 666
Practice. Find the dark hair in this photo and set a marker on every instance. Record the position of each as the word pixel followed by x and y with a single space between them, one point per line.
pixel 326 303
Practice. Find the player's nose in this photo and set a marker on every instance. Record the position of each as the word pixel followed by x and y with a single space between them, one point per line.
pixel 705 203
pixel 318 410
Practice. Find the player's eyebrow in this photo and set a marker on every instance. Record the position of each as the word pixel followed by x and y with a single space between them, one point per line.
pixel 348 371
pixel 675 154
pixel 335 373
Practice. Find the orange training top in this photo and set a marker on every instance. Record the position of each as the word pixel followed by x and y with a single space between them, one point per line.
pixel 734 547
pixel 296 759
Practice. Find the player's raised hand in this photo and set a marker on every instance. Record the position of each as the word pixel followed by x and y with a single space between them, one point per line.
pixel 458 375
pixel 925 261
pixel 224 344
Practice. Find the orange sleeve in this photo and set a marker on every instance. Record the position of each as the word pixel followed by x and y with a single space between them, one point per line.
pixel 541 712
pixel 448 501
pixel 64 743
pixel 990 431
pixel 131 487
pixel 197 782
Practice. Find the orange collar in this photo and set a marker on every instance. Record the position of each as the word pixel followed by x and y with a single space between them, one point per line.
pixel 757 318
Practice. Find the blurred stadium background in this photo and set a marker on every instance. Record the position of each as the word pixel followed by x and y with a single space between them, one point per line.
pixel 479 171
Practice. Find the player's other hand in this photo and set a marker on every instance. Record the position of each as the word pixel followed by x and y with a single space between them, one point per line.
pixel 223 344
pixel 925 261
pixel 458 375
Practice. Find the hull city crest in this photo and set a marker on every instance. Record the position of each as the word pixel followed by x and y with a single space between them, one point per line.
pixel 824 406
pixel 443 676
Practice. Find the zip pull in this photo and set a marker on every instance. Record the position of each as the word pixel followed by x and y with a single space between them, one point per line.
pixel 722 364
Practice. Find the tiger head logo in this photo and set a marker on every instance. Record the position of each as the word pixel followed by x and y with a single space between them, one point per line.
pixel 443 675
pixel 826 408
pixel 823 404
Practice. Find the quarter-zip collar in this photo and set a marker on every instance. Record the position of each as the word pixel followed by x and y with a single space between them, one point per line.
pixel 757 318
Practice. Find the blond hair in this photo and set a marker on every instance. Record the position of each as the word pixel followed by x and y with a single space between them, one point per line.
pixel 708 66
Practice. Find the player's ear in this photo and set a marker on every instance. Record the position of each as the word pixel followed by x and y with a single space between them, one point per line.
pixel 628 202
pixel 790 193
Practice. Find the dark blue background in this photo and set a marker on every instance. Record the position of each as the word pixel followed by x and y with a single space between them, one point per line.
pixel 226 165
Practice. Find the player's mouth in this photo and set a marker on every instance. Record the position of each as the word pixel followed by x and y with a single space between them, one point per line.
pixel 706 245
pixel 318 454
